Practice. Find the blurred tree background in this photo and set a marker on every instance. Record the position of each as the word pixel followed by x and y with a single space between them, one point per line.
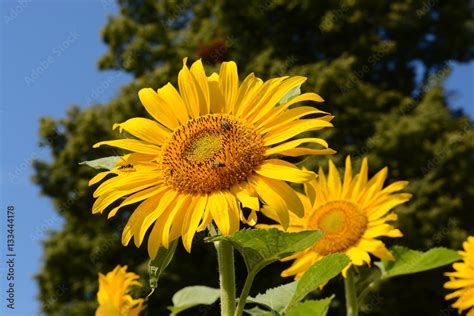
pixel 379 65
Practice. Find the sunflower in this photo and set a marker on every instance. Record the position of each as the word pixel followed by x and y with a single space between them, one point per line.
pixel 113 296
pixel 463 279
pixel 351 214
pixel 209 152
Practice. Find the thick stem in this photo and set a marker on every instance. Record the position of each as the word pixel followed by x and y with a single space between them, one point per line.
pixel 351 294
pixel 245 292
pixel 225 257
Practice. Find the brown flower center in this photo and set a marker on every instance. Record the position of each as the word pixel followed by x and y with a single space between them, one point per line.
pixel 211 153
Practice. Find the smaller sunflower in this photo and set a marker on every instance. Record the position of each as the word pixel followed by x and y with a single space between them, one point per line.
pixel 113 296
pixel 462 279
pixel 352 214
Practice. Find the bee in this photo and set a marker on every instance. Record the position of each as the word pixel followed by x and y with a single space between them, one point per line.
pixel 127 166
pixel 218 164
pixel 225 125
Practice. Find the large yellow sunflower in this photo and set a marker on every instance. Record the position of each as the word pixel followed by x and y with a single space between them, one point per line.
pixel 462 280
pixel 113 296
pixel 351 214
pixel 210 151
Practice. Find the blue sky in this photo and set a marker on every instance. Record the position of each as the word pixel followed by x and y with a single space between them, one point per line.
pixel 48 62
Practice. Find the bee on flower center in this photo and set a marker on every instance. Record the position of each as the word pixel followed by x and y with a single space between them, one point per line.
pixel 218 164
pixel 225 125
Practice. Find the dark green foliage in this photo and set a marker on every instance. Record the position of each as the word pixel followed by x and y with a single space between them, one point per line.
pixel 359 55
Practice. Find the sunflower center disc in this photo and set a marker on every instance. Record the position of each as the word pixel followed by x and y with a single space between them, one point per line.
pixel 342 223
pixel 211 153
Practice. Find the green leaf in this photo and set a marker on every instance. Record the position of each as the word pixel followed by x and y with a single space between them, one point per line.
pixel 318 274
pixel 408 261
pixel 276 298
pixel 291 94
pixel 313 308
pixel 108 163
pixel 260 247
pixel 161 261
pixel 191 296
pixel 257 311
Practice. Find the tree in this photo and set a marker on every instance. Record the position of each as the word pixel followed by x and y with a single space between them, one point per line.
pixel 361 56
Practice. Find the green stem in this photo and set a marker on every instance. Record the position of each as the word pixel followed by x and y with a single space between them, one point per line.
pixel 371 287
pixel 245 292
pixel 225 257
pixel 351 294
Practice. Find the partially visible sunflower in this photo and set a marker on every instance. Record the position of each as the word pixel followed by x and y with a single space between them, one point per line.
pixel 113 296
pixel 208 153
pixel 352 214
pixel 462 279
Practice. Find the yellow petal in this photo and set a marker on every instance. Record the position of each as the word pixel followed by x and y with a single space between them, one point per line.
pixel 458 283
pixel 217 101
pixel 310 191
pixel 104 200
pixel 173 101
pixel 234 212
pixel 188 90
pixel 248 97
pixel 279 109
pixel 322 180
pixel 148 214
pixel 346 184
pixel 286 117
pixel 301 264
pixel 377 248
pixel 374 186
pixel 279 197
pixel 154 240
pixel 197 70
pixel 245 197
pixel 132 145
pixel 98 177
pixel 382 209
pixel 127 232
pixel 158 108
pixel 389 218
pixel 206 218
pixel 272 99
pixel 334 181
pixel 294 128
pixel 282 170
pixel 294 143
pixel 252 218
pixel 127 182
pixel 394 187
pixel 145 129
pixel 382 230
pixel 296 152
pixel 135 198
pixel 191 221
pixel 358 256
pixel 361 181
pixel 219 210
pixel 255 104
pixel 246 88
pixel 454 294
pixel 271 198
pixel 175 218
pixel 229 84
